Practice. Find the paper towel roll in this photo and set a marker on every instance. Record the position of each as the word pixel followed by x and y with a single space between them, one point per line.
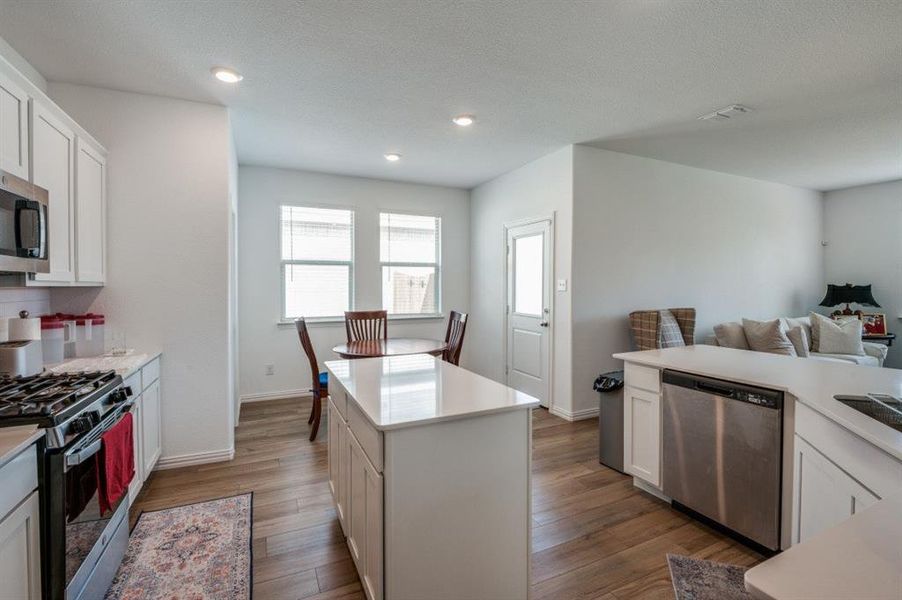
pixel 24 329
pixel 4 329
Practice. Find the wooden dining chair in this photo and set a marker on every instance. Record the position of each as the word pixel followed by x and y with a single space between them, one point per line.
pixel 320 380
pixel 454 337
pixel 366 325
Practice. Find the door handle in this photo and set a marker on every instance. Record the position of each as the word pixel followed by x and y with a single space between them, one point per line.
pixel 543 324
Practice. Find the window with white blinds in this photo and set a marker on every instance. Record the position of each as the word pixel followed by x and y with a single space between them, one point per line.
pixel 317 261
pixel 411 266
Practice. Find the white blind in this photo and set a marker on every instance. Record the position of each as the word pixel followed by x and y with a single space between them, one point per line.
pixel 408 238
pixel 409 252
pixel 317 253
pixel 316 233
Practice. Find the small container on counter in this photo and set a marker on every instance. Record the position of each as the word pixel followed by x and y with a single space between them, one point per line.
pixel 54 335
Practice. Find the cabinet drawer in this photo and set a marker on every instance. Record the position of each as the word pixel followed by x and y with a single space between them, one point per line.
pixel 339 398
pixel 20 478
pixel 646 378
pixel 369 437
pixel 134 382
pixel 150 373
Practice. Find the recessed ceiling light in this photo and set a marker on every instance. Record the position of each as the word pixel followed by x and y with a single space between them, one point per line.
pixel 464 120
pixel 392 157
pixel 226 75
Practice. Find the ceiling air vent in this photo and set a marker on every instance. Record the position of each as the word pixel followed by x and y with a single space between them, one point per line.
pixel 726 113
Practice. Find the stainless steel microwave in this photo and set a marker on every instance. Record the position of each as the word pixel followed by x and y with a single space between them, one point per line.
pixel 23 226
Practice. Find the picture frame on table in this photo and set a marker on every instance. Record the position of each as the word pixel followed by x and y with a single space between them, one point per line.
pixel 873 324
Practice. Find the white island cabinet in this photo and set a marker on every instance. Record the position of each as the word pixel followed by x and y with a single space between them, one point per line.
pixel 837 461
pixel 429 467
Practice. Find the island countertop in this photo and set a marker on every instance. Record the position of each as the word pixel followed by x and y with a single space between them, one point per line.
pixel 859 558
pixel 405 391
pixel 811 382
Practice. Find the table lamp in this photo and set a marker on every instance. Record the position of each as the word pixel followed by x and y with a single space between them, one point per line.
pixel 848 294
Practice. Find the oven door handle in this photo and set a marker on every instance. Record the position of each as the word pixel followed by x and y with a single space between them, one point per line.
pixel 81 455
pixel 76 458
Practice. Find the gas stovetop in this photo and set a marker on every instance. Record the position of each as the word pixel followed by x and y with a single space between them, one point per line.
pixel 49 399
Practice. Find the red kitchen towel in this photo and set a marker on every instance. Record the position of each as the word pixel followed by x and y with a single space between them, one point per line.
pixel 115 463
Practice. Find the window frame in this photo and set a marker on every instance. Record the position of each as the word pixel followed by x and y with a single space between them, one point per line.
pixel 283 318
pixel 437 265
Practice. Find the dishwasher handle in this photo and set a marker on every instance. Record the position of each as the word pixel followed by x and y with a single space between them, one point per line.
pixel 740 392
pixel 718 390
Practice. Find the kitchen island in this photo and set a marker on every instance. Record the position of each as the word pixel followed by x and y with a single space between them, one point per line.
pixel 429 467
pixel 837 462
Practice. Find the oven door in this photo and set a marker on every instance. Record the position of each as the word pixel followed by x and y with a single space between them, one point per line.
pixel 90 533
pixel 23 226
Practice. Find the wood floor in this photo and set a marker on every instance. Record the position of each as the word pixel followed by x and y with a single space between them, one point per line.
pixel 595 536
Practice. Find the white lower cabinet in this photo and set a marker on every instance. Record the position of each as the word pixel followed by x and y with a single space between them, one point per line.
pixel 825 495
pixel 147 423
pixel 365 520
pixel 339 458
pixel 150 425
pixel 20 552
pixel 138 480
pixel 642 434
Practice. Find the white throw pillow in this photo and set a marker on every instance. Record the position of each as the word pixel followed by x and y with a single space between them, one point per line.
pixel 837 337
pixel 799 340
pixel 767 336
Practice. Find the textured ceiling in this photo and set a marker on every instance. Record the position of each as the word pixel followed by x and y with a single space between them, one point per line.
pixel 333 85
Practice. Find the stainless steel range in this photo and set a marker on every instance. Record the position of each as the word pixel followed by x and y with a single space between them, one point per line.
pixel 81 545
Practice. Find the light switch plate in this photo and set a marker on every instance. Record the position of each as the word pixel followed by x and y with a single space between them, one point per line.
pixel 562 285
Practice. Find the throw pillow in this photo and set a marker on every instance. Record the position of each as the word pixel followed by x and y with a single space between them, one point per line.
pixel 799 340
pixel 767 336
pixel 731 335
pixel 669 334
pixel 838 337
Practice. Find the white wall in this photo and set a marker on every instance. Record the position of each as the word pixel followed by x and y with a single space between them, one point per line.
pixel 167 228
pixel 650 234
pixel 537 189
pixel 262 340
pixel 22 65
pixel 35 300
pixel 863 228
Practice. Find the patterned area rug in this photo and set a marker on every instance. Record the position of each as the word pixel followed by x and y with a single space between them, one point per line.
pixel 695 579
pixel 195 552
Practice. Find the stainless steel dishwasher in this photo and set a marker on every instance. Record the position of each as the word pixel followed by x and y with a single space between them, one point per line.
pixel 722 453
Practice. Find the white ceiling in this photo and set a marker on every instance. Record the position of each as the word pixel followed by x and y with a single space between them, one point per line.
pixel 333 85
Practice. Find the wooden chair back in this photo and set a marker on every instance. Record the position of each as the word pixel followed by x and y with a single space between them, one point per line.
pixel 307 346
pixel 366 325
pixel 454 337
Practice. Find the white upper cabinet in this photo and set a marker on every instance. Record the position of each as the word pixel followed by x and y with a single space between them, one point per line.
pixel 90 213
pixel 39 142
pixel 13 128
pixel 53 168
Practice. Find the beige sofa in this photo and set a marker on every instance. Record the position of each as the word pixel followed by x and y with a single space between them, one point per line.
pixel 732 335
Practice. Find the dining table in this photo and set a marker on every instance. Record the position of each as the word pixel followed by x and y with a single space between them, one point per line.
pixel 390 347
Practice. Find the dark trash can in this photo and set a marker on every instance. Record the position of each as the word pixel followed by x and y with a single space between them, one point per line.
pixel 610 419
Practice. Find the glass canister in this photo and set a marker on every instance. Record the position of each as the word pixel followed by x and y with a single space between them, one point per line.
pixel 98 333
pixel 54 335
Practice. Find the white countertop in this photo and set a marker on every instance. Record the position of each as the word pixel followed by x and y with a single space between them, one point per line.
pixel 123 365
pixel 404 391
pixel 15 439
pixel 860 558
pixel 812 382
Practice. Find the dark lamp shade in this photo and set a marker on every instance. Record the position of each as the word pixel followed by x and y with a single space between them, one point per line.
pixel 848 294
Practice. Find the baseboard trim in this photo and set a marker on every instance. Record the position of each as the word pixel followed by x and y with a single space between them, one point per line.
pixel 197 458
pixel 279 395
pixel 579 415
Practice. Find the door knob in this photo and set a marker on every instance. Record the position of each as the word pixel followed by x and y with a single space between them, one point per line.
pixel 543 324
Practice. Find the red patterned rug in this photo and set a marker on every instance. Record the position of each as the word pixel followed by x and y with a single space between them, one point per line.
pixel 195 552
